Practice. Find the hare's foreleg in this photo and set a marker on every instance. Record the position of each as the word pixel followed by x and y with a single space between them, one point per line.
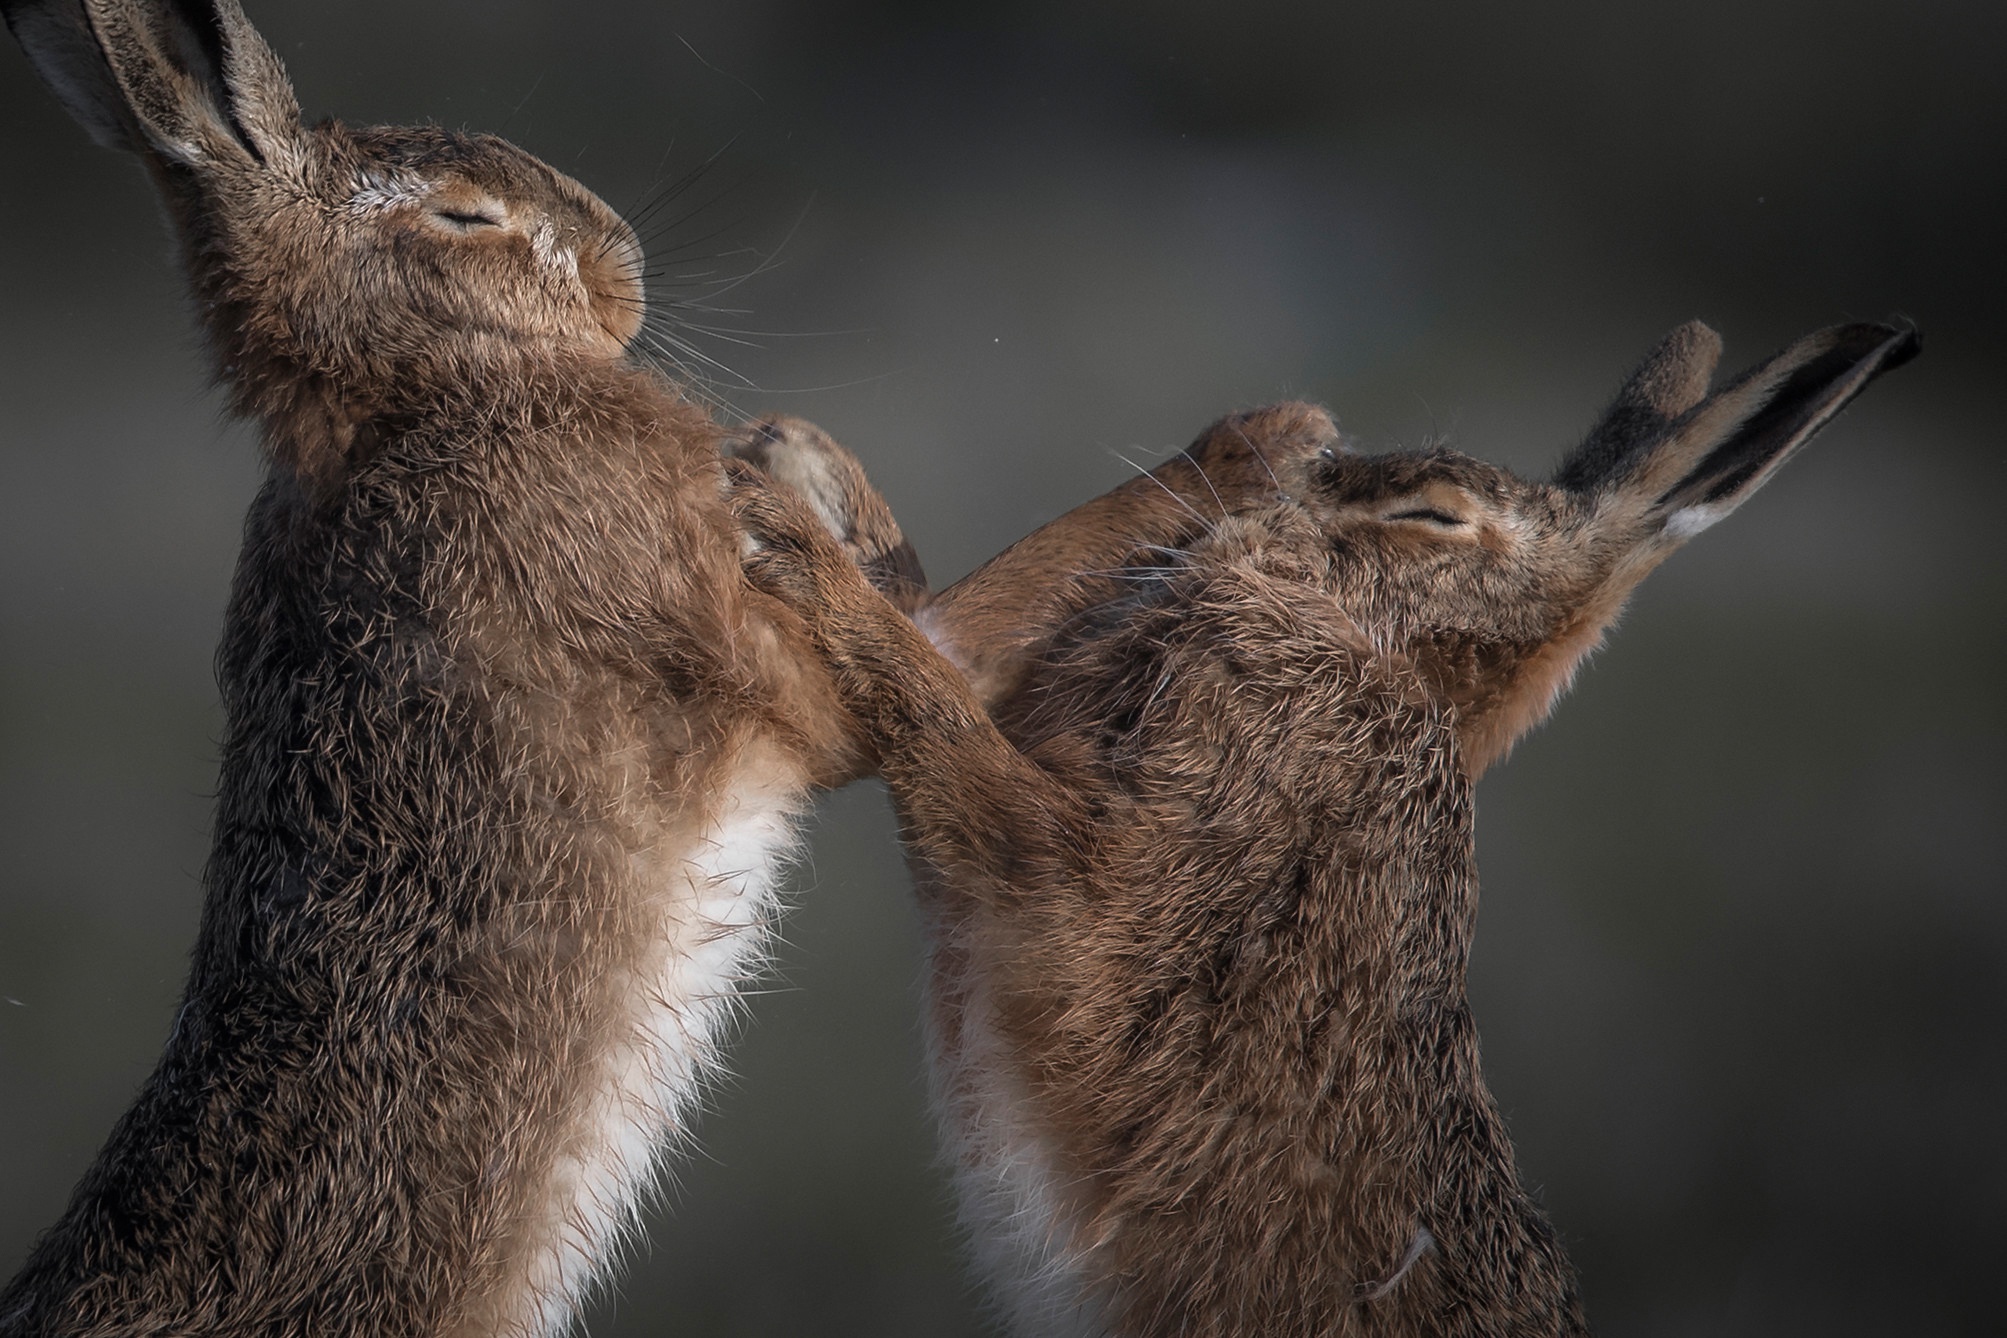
pixel 970 803
pixel 993 623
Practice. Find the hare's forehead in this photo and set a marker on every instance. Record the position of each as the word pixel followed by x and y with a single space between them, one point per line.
pixel 1368 478
pixel 411 159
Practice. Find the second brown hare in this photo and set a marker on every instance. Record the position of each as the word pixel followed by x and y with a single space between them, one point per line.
pixel 1200 899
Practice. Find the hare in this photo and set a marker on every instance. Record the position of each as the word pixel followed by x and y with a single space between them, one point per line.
pixel 1200 899
pixel 512 753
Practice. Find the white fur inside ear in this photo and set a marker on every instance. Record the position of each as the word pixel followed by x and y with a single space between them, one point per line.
pixel 1688 521
pixel 180 150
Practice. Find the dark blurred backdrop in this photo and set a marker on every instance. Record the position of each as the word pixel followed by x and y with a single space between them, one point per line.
pixel 1740 967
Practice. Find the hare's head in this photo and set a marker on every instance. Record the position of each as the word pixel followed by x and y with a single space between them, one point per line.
pixel 335 265
pixel 1495 588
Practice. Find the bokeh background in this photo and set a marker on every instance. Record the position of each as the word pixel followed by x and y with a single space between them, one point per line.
pixel 1742 964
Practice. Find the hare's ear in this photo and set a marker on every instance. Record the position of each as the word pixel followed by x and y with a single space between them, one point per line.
pixel 187 81
pixel 1671 380
pixel 1682 474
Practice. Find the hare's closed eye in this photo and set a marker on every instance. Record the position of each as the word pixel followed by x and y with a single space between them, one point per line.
pixel 1438 505
pixel 1430 514
pixel 470 218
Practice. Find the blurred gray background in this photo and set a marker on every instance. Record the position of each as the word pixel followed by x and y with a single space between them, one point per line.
pixel 1742 965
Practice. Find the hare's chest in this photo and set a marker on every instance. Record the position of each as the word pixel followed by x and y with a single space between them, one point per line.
pixel 1010 1188
pixel 708 902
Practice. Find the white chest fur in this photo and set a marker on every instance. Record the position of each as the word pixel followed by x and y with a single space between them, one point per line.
pixel 1007 1187
pixel 714 898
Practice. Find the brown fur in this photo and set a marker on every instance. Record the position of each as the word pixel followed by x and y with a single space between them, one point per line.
pixel 1201 897
pixel 804 459
pixel 992 622
pixel 497 703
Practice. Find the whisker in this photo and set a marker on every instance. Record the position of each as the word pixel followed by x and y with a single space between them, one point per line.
pixel 715 70
pixel 1204 478
pixel 1249 443
pixel 1168 490
pixel 682 183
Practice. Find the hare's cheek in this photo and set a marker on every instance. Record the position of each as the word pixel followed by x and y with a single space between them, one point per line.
pixel 618 315
pixel 615 302
pixel 621 324
pixel 568 284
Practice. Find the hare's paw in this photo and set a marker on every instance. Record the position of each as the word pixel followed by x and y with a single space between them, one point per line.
pixel 798 455
pixel 1247 456
pixel 786 550
pixel 801 457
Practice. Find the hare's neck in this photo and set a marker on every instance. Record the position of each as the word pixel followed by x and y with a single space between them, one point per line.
pixel 319 419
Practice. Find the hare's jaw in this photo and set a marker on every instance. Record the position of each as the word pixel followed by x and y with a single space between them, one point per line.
pixel 1535 684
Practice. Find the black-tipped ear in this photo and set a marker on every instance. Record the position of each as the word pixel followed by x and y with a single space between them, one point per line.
pixel 183 80
pixel 58 40
pixel 1672 379
pixel 1728 447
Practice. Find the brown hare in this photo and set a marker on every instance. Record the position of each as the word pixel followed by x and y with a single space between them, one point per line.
pixel 1200 899
pixel 512 752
